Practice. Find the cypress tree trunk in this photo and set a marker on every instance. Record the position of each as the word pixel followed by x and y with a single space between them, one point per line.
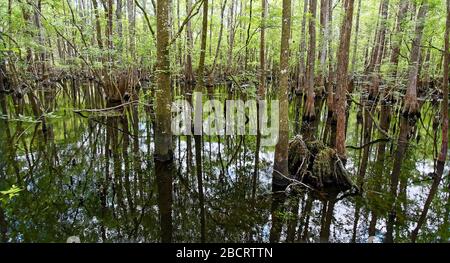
pixel 310 95
pixel 342 68
pixel 163 134
pixel 411 106
pixel 281 148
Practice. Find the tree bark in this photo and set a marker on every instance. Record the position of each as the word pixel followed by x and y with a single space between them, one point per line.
pixel 302 48
pixel 247 41
pixel 310 94
pixel 216 55
pixel 398 38
pixel 131 9
pixel 378 51
pixel 98 27
pixel 355 42
pixel 411 106
pixel 163 134
pixel 279 181
pixel 189 75
pixel 201 65
pixel 324 27
pixel 262 55
pixel 342 68
pixel 231 35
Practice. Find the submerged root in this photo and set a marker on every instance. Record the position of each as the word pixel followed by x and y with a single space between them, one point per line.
pixel 319 167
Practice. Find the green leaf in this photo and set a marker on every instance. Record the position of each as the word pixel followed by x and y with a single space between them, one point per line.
pixel 13 191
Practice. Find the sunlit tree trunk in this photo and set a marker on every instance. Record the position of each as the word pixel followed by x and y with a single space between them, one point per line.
pixel 189 75
pixel 131 10
pixel 119 27
pixel 231 35
pixel 378 48
pixel 342 78
pixel 201 64
pixel 324 27
pixel 330 82
pixel 211 25
pixel 109 26
pixel 355 41
pixel 247 41
pixel 310 94
pixel 163 134
pixel 219 42
pixel 411 106
pixel 262 55
pixel 398 37
pixel 280 169
pixel 98 27
pixel 41 39
pixel 302 48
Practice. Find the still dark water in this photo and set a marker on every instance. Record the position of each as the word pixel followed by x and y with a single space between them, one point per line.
pixel 92 175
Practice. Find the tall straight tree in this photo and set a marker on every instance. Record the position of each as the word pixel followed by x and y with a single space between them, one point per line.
pixel 163 133
pixel 302 47
pixel 324 25
pixel 262 54
pixel 397 38
pixel 231 35
pixel 131 9
pixel 342 78
pixel 411 106
pixel 280 169
pixel 309 107
pixel 198 138
pixel 378 50
pixel 189 75
pixel 355 41
pixel 201 64
pixel 281 149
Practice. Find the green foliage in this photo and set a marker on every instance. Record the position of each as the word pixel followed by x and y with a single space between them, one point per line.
pixel 9 194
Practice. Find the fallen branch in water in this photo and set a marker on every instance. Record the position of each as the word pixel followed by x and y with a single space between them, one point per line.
pixel 111 108
pixel 293 182
pixel 106 124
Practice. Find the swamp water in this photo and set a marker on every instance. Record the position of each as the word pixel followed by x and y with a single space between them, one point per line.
pixel 92 175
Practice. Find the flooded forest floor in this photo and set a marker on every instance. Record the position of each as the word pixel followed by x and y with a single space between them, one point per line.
pixel 91 174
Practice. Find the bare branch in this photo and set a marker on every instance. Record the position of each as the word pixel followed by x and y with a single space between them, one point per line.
pixel 196 6
pixel 146 19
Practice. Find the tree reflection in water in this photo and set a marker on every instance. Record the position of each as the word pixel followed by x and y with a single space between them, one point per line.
pixel 93 175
